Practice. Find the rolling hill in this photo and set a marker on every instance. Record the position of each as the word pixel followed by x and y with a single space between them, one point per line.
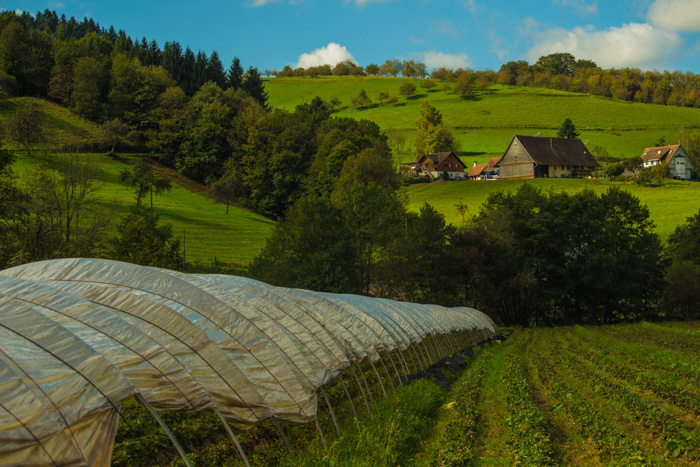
pixel 485 125
pixel 209 233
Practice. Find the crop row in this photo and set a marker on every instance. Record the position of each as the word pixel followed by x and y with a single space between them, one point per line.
pixel 456 440
pixel 660 382
pixel 680 365
pixel 681 438
pixel 590 420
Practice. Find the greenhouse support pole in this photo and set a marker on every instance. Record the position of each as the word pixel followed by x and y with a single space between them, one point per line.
pixel 364 378
pixel 381 384
pixel 284 437
pixel 320 432
pixel 403 363
pixel 386 370
pixel 330 408
pixel 359 385
pixel 160 421
pixel 396 369
pixel 347 393
pixel 233 437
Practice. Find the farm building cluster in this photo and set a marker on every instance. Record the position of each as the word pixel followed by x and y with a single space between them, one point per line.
pixel 542 157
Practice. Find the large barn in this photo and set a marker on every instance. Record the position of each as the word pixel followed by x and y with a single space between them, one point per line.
pixel 537 157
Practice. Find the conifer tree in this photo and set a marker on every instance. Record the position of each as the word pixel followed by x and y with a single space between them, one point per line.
pixel 568 130
pixel 235 74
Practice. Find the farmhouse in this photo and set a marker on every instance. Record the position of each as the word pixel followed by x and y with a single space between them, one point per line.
pixel 536 157
pixel 674 156
pixel 436 163
pixel 486 171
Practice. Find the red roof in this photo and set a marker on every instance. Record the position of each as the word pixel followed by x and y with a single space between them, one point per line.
pixel 477 170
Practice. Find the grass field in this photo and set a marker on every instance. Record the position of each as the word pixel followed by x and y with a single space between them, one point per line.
pixel 209 232
pixel 669 205
pixel 485 125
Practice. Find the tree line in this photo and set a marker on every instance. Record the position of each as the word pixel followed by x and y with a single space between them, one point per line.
pixel 94 70
pixel 527 258
pixel 560 71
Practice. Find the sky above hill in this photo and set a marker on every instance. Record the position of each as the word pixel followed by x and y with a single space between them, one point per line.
pixel 481 34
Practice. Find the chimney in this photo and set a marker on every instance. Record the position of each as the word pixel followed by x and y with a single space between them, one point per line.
pixel 474 164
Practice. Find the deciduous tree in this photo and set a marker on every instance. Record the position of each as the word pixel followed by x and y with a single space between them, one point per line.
pixel 24 127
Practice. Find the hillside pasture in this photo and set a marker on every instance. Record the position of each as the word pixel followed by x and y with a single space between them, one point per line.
pixel 486 124
pixel 669 205
pixel 209 233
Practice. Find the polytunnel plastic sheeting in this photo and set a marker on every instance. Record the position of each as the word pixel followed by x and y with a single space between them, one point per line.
pixel 230 390
pixel 350 332
pixel 280 319
pixel 377 333
pixel 159 377
pixel 287 393
pixel 78 336
pixel 73 390
pixel 480 320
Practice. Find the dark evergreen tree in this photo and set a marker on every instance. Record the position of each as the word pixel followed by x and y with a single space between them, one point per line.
pixel 568 130
pixel 235 74
pixel 253 85
pixel 215 70
pixel 309 250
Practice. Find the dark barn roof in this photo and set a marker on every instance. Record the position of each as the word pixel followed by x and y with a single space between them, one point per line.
pixel 557 151
pixel 439 157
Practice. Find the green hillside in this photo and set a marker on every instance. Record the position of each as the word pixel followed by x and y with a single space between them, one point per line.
pixel 485 125
pixel 61 126
pixel 209 232
pixel 669 205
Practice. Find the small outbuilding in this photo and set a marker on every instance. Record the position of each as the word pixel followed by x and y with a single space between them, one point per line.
pixel 674 156
pixel 437 163
pixel 538 157
pixel 485 171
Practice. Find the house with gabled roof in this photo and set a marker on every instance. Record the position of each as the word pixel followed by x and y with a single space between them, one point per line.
pixel 485 171
pixel 674 156
pixel 538 156
pixel 437 163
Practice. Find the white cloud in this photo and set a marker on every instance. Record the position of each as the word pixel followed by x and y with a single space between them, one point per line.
pixel 472 6
pixel 497 45
pixel 328 55
pixel 675 15
pixel 631 45
pixel 257 3
pixel 362 3
pixel 580 6
pixel 437 59
pixel 445 28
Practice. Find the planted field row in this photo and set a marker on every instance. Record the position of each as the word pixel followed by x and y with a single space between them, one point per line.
pixel 622 395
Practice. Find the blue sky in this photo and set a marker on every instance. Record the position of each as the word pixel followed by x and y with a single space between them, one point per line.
pixel 481 34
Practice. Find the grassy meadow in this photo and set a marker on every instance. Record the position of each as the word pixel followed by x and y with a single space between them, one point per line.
pixel 209 232
pixel 669 205
pixel 485 125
